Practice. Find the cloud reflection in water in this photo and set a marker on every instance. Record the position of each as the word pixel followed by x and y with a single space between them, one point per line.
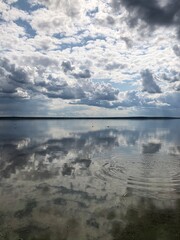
pixel 89 179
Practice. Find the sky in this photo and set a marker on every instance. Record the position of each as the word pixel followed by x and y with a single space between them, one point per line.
pixel 89 58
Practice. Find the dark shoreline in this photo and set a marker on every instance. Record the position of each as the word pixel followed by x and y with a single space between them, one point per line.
pixel 88 118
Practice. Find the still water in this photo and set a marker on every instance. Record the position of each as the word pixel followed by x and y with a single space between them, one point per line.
pixel 90 180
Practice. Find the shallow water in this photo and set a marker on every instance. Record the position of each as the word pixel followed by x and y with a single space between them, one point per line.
pixel 90 179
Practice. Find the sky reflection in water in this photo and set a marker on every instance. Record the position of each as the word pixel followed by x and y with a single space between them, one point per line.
pixel 89 180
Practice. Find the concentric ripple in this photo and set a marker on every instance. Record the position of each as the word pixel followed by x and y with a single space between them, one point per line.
pixel 143 179
pixel 112 171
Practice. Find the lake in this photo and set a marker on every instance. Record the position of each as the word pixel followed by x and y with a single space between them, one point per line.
pixel 89 179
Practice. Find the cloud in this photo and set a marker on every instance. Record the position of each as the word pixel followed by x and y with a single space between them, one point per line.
pixel 40 60
pixel 70 69
pixel 177 86
pixel 19 82
pixel 149 85
pixel 67 66
pixel 83 74
pixel 100 91
pixel 12 79
pixel 171 76
pixel 152 12
pixel 171 98
pixel 176 49
pixel 116 4
pixel 70 7
pixel 114 65
pixel 128 41
pixel 64 92
pixel 87 92
pixel 83 53
pixel 9 13
pixel 16 80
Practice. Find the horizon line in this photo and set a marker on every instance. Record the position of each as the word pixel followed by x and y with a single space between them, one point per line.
pixel 86 118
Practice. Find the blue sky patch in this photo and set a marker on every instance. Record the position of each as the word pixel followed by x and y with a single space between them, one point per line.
pixel 29 30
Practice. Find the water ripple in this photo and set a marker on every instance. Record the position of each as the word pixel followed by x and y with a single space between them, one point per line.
pixel 136 179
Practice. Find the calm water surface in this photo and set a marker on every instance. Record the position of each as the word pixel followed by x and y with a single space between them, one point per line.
pixel 90 180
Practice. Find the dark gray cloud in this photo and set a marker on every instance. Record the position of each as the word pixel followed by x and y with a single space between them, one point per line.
pixel 100 95
pixel 149 85
pixel 86 91
pixel 177 87
pixel 116 4
pixel 16 82
pixel 67 66
pixel 176 50
pixel 128 41
pixel 13 72
pixel 171 76
pixel 12 79
pixel 83 74
pixel 67 92
pixel 59 88
pixel 153 12
pixel 110 20
pixel 128 100
pixel 114 65
pixel 70 69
